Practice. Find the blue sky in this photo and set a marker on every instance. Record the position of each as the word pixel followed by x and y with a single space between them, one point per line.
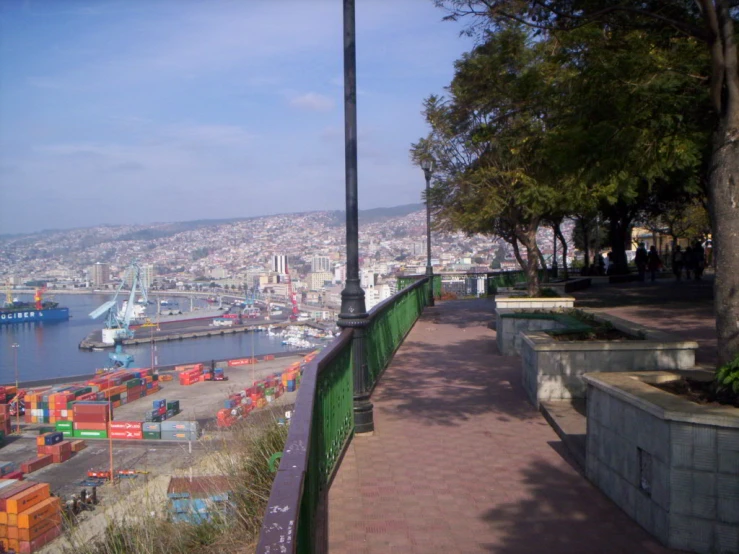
pixel 140 111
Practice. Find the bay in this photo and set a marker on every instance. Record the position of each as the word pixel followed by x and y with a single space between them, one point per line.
pixel 48 350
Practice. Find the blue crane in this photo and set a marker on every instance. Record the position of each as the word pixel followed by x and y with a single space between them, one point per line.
pixel 117 321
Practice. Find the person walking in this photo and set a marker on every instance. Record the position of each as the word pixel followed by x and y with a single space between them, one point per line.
pixel 677 262
pixel 653 262
pixel 688 262
pixel 700 260
pixel 641 261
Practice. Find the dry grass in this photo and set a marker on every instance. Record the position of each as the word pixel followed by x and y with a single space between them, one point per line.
pixel 143 528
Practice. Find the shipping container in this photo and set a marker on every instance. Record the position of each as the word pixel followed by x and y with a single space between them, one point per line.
pixel 152 435
pixel 24 500
pixel 90 434
pixel 39 512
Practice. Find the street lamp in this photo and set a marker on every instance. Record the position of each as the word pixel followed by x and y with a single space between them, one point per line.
pixel 427 164
pixel 15 347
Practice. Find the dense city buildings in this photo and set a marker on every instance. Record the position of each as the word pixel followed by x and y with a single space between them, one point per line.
pixel 243 255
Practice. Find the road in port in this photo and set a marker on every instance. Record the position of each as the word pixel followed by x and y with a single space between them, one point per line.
pixel 50 350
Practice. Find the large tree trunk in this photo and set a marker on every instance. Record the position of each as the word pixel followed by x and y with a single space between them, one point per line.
pixel 558 235
pixel 586 245
pixel 527 237
pixel 543 262
pixel 723 181
pixel 619 230
pixel 724 202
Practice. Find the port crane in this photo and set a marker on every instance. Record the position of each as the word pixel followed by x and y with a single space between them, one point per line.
pixel 117 325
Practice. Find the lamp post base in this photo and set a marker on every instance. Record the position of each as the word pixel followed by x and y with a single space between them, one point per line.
pixel 364 422
pixel 430 275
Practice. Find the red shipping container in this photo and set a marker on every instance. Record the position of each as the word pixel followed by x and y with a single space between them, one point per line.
pixel 60 457
pixel 91 426
pixel 91 409
pixel 28 547
pixel 90 418
pixel 34 465
pixel 125 425
pixel 131 435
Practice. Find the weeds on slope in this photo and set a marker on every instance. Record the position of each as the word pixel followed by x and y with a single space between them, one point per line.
pixel 144 528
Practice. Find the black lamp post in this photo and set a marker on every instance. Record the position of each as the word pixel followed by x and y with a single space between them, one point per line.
pixel 427 164
pixel 353 309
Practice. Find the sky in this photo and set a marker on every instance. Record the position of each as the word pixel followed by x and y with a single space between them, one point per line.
pixel 144 111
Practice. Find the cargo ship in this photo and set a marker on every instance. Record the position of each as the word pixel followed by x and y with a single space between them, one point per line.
pixel 38 310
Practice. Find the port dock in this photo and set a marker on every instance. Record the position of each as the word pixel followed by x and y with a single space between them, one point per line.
pixel 183 330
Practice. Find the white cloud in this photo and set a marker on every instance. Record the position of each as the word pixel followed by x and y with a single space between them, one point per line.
pixel 314 102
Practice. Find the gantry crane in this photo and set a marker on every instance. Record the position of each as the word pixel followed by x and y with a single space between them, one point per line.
pixel 117 326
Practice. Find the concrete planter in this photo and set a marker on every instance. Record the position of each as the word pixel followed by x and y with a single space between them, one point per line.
pixel 671 464
pixel 553 370
pixel 509 324
pixel 505 302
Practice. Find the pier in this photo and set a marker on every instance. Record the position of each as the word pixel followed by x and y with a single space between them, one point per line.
pixel 181 331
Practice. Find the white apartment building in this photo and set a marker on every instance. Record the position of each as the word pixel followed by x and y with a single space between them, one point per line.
pixel 320 264
pixel 279 264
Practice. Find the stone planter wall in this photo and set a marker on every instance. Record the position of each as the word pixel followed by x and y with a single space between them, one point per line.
pixel 553 370
pixel 508 330
pixel 669 463
pixel 503 302
pixel 509 324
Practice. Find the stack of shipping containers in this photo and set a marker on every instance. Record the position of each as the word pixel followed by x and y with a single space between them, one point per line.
pixel 91 419
pixel 29 516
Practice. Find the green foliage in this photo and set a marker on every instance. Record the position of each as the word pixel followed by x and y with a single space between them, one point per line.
pixel 727 377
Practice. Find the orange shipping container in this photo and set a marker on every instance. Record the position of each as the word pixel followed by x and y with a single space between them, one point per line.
pixel 41 511
pixel 28 498
pixel 38 529
pixel 3 531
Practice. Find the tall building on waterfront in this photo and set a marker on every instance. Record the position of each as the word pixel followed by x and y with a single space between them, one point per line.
pixel 100 274
pixel 320 264
pixel 279 263
pixel 147 276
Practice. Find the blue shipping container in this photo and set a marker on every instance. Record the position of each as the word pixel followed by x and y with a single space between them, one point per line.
pixel 53 438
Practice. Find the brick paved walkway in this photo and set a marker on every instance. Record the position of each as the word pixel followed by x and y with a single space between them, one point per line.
pixel 461 463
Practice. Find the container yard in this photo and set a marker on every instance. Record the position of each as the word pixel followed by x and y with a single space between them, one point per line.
pixel 133 424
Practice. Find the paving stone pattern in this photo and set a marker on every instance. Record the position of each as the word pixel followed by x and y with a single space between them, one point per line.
pixel 460 462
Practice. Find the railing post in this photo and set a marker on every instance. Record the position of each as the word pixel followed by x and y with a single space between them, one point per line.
pixel 353 309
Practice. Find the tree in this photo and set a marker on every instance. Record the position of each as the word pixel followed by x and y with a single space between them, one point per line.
pixel 489 143
pixel 712 23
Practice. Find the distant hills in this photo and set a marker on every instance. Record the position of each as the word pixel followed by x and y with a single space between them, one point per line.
pixel 154 231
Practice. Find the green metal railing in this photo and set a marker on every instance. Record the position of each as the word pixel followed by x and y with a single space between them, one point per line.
pixel 493 280
pixel 390 322
pixel 323 424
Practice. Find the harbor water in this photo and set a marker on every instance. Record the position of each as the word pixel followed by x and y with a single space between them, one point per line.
pixel 50 350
